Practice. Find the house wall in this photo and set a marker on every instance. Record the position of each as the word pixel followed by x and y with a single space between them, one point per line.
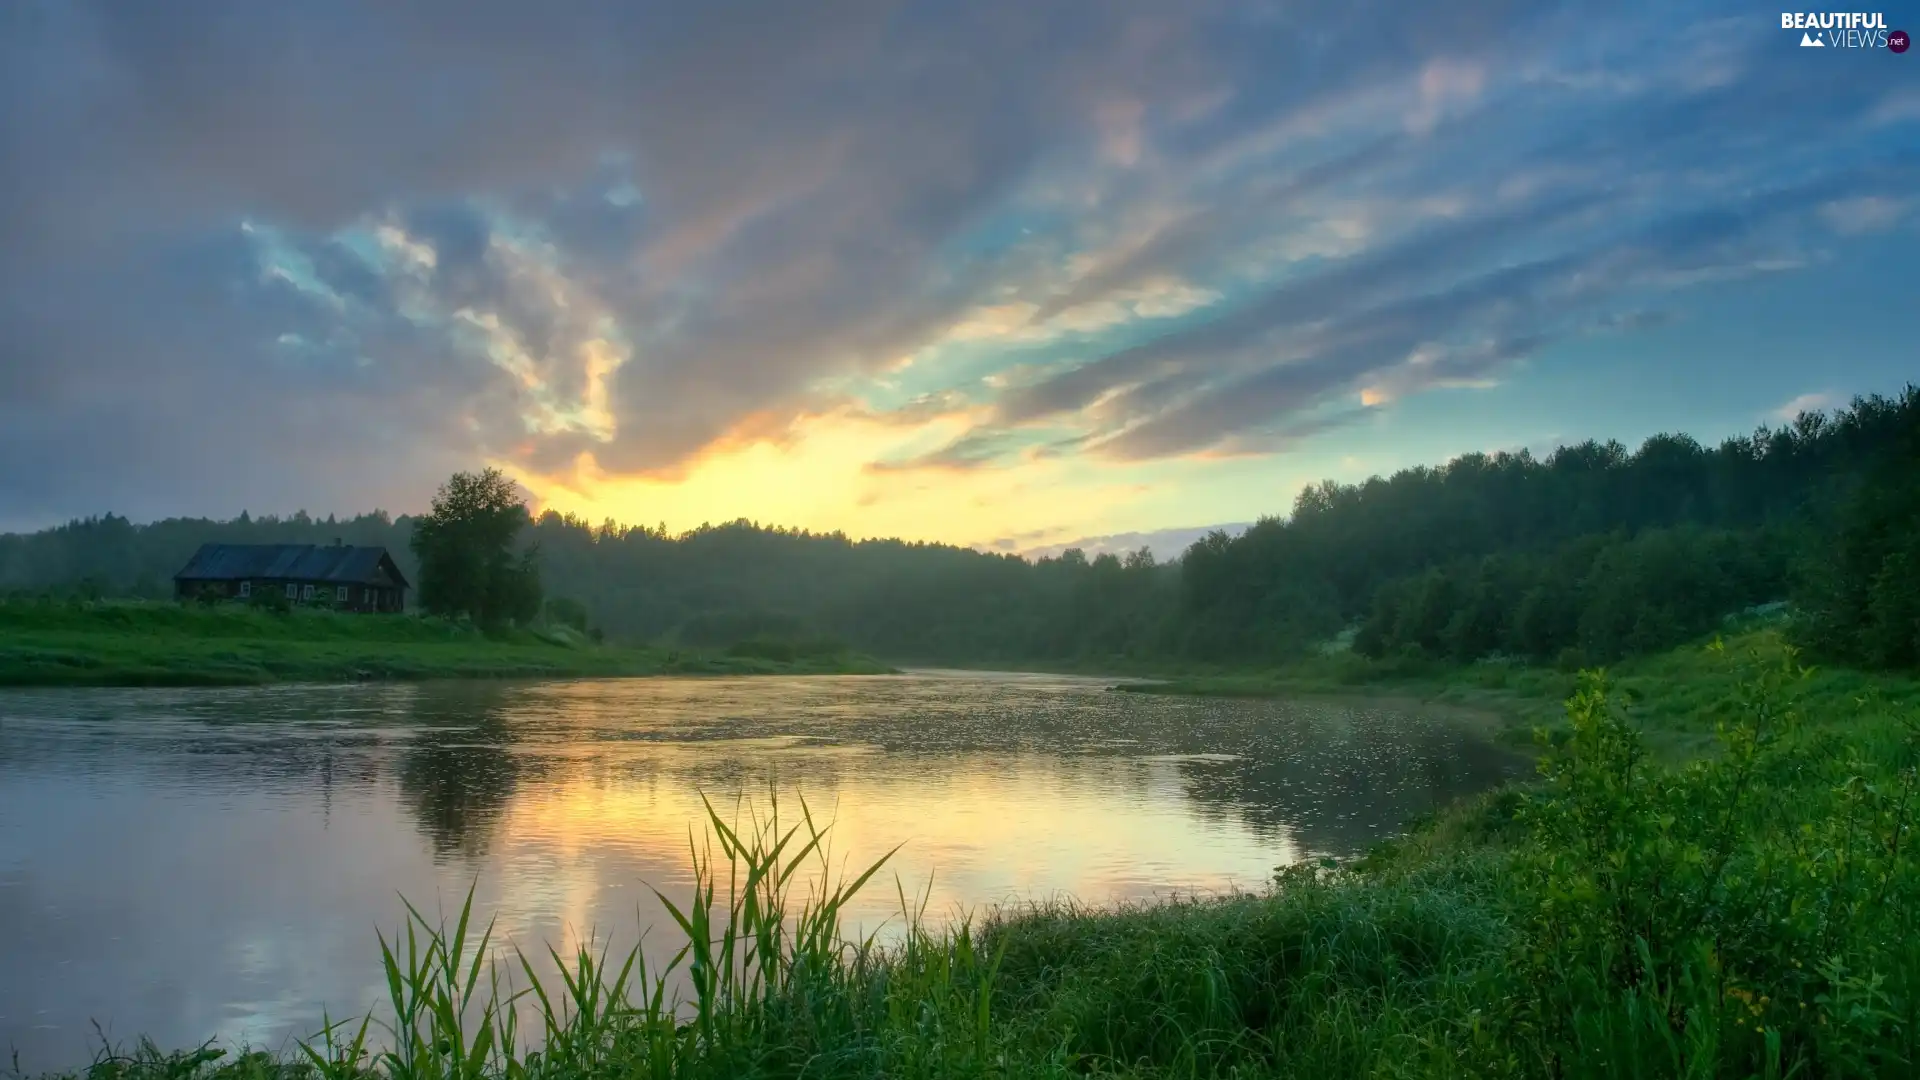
pixel 360 597
pixel 193 590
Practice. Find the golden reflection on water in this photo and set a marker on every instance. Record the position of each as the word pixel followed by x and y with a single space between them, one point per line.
pixel 213 863
pixel 968 832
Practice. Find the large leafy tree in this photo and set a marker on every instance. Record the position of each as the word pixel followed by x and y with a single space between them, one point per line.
pixel 466 545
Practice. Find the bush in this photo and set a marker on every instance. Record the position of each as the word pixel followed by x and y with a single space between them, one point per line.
pixel 270 600
pixel 565 611
pixel 1751 914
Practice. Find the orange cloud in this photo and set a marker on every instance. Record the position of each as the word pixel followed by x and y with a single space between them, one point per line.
pixel 815 471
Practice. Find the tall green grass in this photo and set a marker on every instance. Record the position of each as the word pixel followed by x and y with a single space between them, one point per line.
pixel 1750 913
pixel 1679 697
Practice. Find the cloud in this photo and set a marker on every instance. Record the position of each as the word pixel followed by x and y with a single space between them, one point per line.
pixel 786 227
pixel 1790 411
pixel 1258 327
pixel 1166 544
pixel 1444 87
pixel 1864 213
pixel 1024 322
pixel 966 454
pixel 276 256
pixel 1372 326
pixel 1627 322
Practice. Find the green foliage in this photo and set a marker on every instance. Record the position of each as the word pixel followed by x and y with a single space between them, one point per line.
pixel 1750 913
pixel 465 545
pixel 1595 599
pixel 270 600
pixel 1616 553
pixel 1861 593
pixel 138 643
pixel 565 611
pixel 1594 548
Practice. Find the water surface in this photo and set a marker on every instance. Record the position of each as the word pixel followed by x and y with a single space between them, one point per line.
pixel 191 864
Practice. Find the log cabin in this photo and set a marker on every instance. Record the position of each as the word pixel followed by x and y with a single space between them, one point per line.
pixel 341 576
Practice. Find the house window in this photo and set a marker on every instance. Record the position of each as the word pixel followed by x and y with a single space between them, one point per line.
pixel 340 594
pixel 293 591
pixel 306 593
pixel 246 589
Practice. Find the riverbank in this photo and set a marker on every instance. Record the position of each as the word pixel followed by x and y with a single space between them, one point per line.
pixel 1753 911
pixel 162 644
pixel 1678 697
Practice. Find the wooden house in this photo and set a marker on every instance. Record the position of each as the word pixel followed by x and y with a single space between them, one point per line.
pixel 342 576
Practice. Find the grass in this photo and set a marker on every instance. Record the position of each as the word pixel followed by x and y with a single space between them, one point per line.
pixel 1749 912
pixel 107 643
pixel 1679 696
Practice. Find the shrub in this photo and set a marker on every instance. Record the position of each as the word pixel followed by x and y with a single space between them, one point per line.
pixel 270 600
pixel 565 611
pixel 1750 914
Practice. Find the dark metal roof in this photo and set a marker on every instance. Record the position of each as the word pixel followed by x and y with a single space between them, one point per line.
pixel 288 562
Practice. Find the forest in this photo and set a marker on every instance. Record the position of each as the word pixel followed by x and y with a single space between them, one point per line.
pixel 1587 555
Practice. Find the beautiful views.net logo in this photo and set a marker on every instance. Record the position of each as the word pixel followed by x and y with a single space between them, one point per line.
pixel 1844 30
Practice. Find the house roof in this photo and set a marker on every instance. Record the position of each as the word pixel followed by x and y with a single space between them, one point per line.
pixel 292 562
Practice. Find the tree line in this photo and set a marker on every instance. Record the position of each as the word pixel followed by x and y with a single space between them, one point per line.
pixel 1585 555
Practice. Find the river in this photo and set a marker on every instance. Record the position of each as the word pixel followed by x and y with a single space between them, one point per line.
pixel 192 864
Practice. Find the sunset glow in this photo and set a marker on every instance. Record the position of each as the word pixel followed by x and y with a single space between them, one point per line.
pixel 859 297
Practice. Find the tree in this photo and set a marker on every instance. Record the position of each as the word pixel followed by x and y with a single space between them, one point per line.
pixel 566 611
pixel 1861 598
pixel 1592 549
pixel 465 544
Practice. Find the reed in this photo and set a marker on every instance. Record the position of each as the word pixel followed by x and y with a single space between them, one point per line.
pixel 1754 912
pixel 771 985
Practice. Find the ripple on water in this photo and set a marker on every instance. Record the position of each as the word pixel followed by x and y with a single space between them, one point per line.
pixel 193 863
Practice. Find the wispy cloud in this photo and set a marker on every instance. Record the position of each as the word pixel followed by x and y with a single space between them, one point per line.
pixel 1165 544
pixel 1865 213
pixel 621 241
pixel 1790 411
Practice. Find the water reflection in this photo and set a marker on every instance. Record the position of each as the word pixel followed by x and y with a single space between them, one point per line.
pixel 213 862
pixel 457 773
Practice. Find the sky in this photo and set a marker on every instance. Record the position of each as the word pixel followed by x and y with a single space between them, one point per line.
pixel 1006 274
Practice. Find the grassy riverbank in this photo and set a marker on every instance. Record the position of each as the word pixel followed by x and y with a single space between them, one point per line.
pixel 163 644
pixel 1753 912
pixel 1678 696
